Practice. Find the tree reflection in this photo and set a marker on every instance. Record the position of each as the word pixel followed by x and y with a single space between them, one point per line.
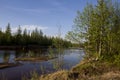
pixel 6 57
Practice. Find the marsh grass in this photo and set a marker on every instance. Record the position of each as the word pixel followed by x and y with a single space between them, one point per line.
pixel 42 68
pixel 35 75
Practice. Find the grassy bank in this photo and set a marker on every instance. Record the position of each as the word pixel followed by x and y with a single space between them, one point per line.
pixel 43 58
pixel 87 70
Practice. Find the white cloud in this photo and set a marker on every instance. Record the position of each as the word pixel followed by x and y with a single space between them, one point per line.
pixel 28 27
pixel 32 27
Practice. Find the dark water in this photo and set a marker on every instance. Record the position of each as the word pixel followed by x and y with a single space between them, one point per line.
pixel 66 60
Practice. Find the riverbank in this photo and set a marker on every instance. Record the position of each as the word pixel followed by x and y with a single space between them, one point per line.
pixel 87 70
pixel 18 47
pixel 43 58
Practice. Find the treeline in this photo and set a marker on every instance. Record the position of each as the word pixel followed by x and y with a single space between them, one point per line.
pixel 25 38
pixel 98 27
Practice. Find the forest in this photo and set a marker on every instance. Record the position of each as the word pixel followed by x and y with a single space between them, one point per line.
pixel 26 38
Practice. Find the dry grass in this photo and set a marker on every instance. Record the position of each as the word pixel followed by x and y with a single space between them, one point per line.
pixel 59 75
pixel 34 58
pixel 92 70
pixel 112 75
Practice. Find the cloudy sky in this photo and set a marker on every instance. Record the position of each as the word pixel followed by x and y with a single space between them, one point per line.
pixel 47 15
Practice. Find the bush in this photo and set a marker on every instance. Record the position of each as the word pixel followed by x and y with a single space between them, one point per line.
pixel 117 60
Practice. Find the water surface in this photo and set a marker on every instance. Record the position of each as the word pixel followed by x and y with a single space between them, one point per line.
pixel 66 60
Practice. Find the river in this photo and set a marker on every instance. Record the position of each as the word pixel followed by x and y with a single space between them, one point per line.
pixel 66 60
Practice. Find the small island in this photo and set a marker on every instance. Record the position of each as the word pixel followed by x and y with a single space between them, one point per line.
pixel 44 58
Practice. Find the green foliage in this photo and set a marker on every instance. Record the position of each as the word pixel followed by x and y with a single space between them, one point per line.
pixel 51 52
pixel 117 60
pixel 98 27
pixel 7 35
pixel 18 36
pixel 25 38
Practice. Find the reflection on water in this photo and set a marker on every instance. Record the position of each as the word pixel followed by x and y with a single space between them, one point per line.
pixel 67 59
pixel 7 56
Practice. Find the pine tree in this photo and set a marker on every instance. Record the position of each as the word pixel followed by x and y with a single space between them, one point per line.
pixel 18 36
pixel 8 34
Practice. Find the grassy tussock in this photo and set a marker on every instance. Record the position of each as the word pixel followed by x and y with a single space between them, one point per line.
pixel 60 75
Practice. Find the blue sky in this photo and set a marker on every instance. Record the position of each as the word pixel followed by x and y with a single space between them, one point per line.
pixel 47 15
